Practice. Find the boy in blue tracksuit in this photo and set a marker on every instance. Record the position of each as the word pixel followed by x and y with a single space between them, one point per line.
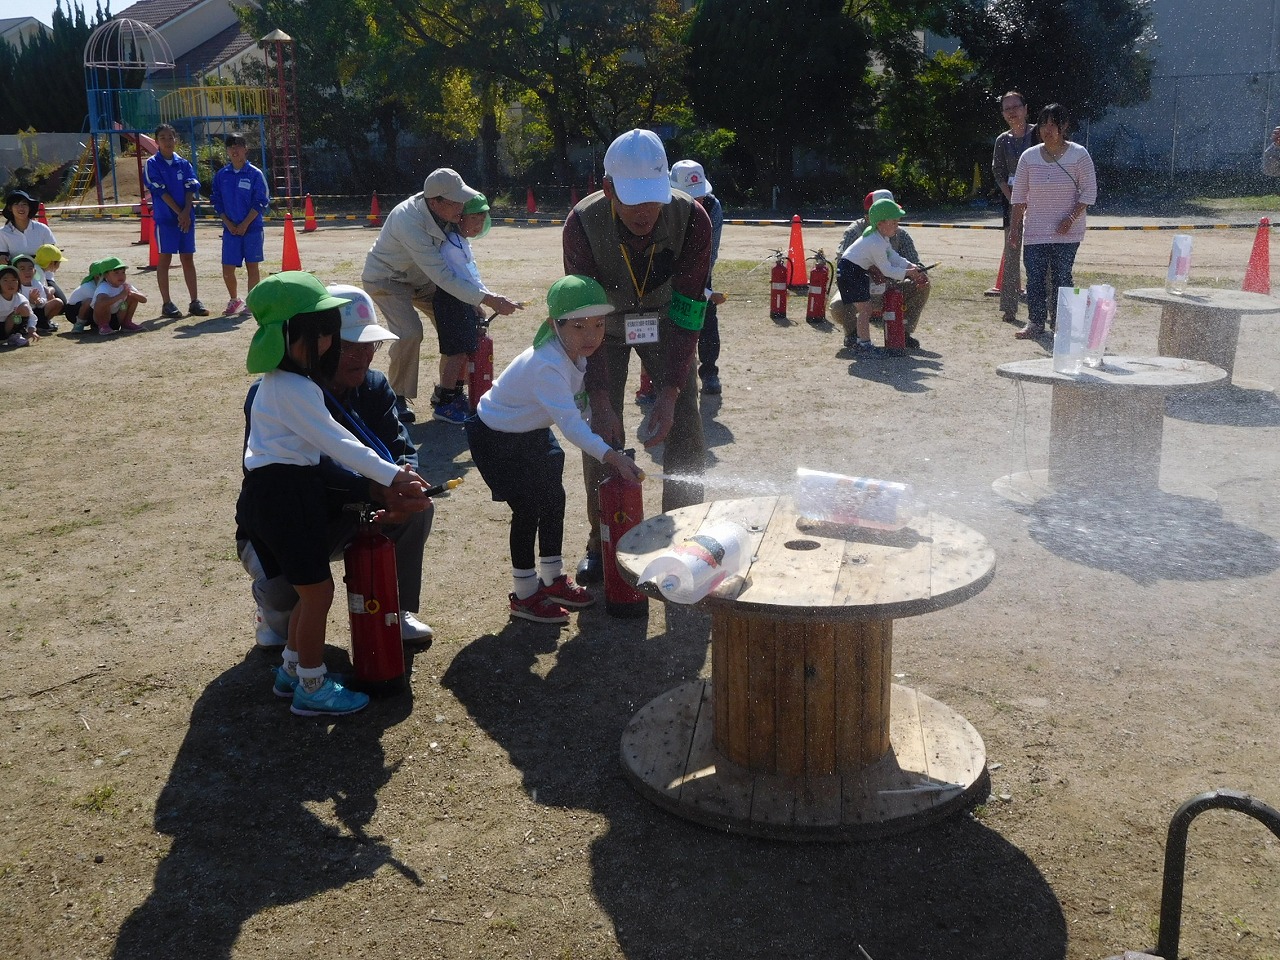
pixel 174 185
pixel 240 197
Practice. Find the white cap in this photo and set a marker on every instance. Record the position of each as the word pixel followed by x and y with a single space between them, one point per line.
pixel 688 175
pixel 636 163
pixel 359 321
pixel 449 184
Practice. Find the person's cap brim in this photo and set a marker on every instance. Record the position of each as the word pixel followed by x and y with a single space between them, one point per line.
pixel 650 190
pixel 366 333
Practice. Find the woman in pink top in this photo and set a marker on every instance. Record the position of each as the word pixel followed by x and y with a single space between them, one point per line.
pixel 1053 187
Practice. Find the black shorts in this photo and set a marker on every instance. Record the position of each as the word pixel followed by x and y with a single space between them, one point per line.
pixel 853 281
pixel 516 465
pixel 455 325
pixel 283 511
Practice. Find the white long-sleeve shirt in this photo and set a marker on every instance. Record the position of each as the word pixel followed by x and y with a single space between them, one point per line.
pixel 408 250
pixel 289 423
pixel 873 250
pixel 540 388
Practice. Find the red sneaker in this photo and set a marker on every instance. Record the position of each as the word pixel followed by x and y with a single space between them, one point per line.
pixel 568 594
pixel 539 608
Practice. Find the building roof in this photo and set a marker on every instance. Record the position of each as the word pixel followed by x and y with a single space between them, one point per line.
pixel 8 24
pixel 156 12
pixel 214 52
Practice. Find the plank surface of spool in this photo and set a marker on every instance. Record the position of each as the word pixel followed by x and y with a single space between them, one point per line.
pixel 1106 426
pixel 1203 323
pixel 799 733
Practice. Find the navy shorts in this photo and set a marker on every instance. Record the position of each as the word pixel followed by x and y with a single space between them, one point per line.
pixel 283 510
pixel 238 250
pixel 853 282
pixel 455 324
pixel 516 465
pixel 171 240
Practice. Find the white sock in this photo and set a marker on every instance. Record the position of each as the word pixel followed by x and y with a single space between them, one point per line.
pixel 526 583
pixel 311 679
pixel 549 568
pixel 290 662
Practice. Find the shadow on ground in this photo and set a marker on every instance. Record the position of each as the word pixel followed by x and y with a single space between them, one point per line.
pixel 246 834
pixel 676 890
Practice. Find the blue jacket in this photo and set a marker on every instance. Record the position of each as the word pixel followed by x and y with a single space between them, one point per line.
pixel 175 179
pixel 236 192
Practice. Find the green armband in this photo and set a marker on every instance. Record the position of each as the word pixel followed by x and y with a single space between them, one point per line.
pixel 686 313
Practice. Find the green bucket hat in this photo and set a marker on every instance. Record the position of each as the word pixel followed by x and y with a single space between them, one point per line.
pixel 94 274
pixel 881 211
pixel 571 298
pixel 275 300
pixel 479 204
pixel 108 264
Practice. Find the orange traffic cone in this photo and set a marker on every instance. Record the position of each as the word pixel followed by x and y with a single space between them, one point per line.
pixel 995 291
pixel 40 215
pixel 530 204
pixel 796 252
pixel 290 260
pixel 375 213
pixel 148 223
pixel 309 212
pixel 1257 278
pixel 153 254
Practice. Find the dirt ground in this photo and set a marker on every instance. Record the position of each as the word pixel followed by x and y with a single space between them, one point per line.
pixel 159 802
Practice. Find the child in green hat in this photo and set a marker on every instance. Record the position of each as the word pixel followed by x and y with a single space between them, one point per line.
pixel 871 252
pixel 282 508
pixel 519 458
pixel 115 300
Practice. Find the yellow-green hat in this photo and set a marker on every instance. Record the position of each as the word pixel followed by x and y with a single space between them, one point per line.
pixel 479 204
pixel 46 254
pixel 275 300
pixel 571 298
pixel 881 211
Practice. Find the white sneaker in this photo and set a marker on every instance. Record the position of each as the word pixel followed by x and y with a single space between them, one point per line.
pixel 413 630
pixel 264 636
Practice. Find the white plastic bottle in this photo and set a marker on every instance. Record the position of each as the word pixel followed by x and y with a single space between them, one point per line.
pixel 694 567
pixel 1179 264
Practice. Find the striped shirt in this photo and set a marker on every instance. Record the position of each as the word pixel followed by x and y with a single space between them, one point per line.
pixel 1051 191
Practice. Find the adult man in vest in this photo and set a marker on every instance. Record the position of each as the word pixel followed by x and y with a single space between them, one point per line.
pixel 650 248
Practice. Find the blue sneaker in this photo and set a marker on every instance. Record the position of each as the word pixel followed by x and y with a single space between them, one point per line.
pixel 455 411
pixel 331 700
pixel 286 683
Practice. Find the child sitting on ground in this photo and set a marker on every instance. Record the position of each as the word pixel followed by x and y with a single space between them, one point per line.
pixel 870 252
pixel 455 320
pixel 43 304
pixel 519 458
pixel 80 302
pixel 48 260
pixel 282 509
pixel 115 298
pixel 19 321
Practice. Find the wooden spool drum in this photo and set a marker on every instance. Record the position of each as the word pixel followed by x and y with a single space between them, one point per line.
pixel 828 683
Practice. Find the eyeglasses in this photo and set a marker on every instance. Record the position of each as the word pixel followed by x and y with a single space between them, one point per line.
pixel 361 348
pixel 1013 108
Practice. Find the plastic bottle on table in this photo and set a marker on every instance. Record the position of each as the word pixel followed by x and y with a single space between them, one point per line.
pixel 860 501
pixel 1179 264
pixel 691 569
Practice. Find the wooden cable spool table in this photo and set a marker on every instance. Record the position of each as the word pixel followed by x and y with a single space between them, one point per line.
pixel 799 733
pixel 1203 323
pixel 1106 426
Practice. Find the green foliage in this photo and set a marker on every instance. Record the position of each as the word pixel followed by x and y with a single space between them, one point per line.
pixel 779 75
pixel 1086 54
pixel 43 78
pixel 935 116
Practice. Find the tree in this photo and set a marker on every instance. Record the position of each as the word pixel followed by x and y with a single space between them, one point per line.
pixel 779 75
pixel 1086 54
pixel 43 78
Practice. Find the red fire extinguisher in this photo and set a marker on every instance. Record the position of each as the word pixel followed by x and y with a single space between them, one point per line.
pixel 621 508
pixel 373 600
pixel 778 277
pixel 895 328
pixel 819 285
pixel 480 364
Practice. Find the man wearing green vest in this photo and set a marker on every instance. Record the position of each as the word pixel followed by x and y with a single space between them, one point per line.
pixel 650 248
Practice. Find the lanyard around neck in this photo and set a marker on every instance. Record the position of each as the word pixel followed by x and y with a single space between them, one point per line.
pixel 639 287
pixel 360 428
